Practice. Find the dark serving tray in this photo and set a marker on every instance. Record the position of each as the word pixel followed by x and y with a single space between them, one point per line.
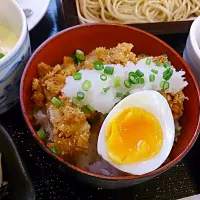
pixel 19 184
pixel 48 179
pixel 71 18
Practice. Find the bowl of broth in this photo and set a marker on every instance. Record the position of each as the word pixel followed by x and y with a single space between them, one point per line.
pixel 14 52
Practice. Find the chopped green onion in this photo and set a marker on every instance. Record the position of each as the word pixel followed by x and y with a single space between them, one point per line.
pixel 154 71
pixel 119 94
pixel 76 102
pixel 167 64
pixel 168 74
pixel 1 55
pixel 141 81
pixel 133 78
pixel 164 85
pixel 42 134
pixel 76 60
pixel 152 77
pixel 90 108
pixel 139 73
pixel 165 55
pixel 126 94
pixel 98 65
pixel 86 85
pixel 158 63
pixel 80 96
pixel 54 149
pixel 109 70
pixel 105 90
pixel 127 84
pixel 103 77
pixel 116 81
pixel 131 74
pixel 148 61
pixel 84 109
pixel 80 55
pixel 56 102
pixel 77 76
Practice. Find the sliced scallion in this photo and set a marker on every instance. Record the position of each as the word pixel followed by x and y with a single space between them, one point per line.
pixel 80 96
pixel 54 149
pixel 167 64
pixel 80 54
pixel 56 102
pixel 141 81
pixel 76 102
pixel 152 77
pixel 119 94
pixel 164 85
pixel 154 71
pixel 86 85
pixel 127 84
pixel 105 90
pixel 77 76
pixel 1 55
pixel 42 134
pixel 85 109
pixel 168 74
pixel 139 73
pixel 108 70
pixel 116 81
pixel 148 61
pixel 133 79
pixel 131 74
pixel 98 65
pixel 103 77
pixel 90 108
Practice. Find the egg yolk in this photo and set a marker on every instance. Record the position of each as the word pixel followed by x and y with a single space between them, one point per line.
pixel 134 135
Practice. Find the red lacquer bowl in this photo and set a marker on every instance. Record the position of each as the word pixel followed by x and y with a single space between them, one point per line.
pixel 87 38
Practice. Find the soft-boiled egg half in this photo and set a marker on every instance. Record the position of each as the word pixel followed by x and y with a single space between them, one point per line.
pixel 138 134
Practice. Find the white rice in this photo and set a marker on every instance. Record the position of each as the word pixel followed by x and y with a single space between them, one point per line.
pixel 105 102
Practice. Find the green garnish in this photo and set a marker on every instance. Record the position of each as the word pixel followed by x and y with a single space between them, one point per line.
pixel 86 85
pixel 164 85
pixel 131 74
pixel 76 102
pixel 158 63
pixel 127 84
pixel 139 73
pixel 148 61
pixel 167 64
pixel 90 108
pixel 167 74
pixel 54 149
pixel 141 81
pixel 119 94
pixel 154 71
pixel 84 109
pixel 109 70
pixel 103 77
pixel 76 60
pixel 126 94
pixel 116 81
pixel 152 77
pixel 98 65
pixel 42 134
pixel 133 78
pixel 80 96
pixel 77 76
pixel 105 90
pixel 56 102
pixel 80 55
pixel 1 55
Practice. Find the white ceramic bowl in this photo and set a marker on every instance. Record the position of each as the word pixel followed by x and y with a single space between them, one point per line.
pixel 191 52
pixel 12 65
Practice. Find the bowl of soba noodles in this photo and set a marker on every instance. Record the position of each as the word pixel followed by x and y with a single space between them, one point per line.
pixel 113 105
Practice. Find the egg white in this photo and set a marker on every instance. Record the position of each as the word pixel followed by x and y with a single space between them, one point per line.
pixel 156 104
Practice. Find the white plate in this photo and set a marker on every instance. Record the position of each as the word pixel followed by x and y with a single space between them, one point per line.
pixel 39 8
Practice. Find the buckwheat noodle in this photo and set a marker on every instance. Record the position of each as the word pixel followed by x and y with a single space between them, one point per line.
pixel 136 11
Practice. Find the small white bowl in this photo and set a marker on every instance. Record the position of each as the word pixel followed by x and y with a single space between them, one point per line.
pixel 191 52
pixel 12 65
